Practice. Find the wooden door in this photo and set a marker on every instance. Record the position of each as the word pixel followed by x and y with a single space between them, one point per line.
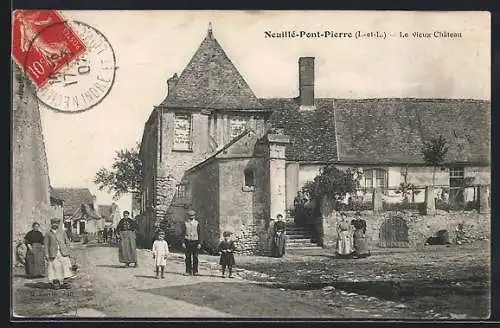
pixel 394 233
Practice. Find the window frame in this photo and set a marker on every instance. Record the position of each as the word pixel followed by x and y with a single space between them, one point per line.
pixel 454 170
pixel 375 178
pixel 246 173
pixel 176 146
pixel 181 191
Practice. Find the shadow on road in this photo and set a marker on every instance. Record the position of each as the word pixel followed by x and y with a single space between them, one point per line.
pixel 38 285
pixel 144 276
pixel 471 295
pixel 116 266
pixel 243 300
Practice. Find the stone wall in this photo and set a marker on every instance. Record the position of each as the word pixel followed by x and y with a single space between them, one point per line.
pixel 149 156
pixel 244 212
pixel 421 227
pixel 292 183
pixel 204 199
pixel 30 176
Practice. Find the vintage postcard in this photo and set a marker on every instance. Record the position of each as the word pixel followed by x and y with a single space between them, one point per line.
pixel 251 164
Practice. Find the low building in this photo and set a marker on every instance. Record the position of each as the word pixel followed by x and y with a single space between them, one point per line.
pixel 79 209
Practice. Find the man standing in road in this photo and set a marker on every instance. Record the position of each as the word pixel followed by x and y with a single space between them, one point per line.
pixel 191 244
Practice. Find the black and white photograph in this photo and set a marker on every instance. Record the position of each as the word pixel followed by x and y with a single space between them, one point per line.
pixel 251 164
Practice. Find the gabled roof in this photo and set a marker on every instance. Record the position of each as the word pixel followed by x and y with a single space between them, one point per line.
pixel 211 81
pixel 370 131
pixel 73 198
pixel 89 212
pixel 242 145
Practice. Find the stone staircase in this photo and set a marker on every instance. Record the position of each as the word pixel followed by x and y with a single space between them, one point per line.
pixel 299 238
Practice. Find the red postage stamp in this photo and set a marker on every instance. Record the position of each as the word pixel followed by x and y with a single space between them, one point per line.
pixel 43 43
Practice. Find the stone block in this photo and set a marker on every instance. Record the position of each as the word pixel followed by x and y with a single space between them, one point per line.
pixel 377 200
pixel 484 199
pixel 430 201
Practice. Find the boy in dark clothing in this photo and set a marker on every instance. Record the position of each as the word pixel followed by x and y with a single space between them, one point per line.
pixel 227 249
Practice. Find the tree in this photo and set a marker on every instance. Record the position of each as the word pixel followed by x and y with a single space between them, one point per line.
pixel 406 189
pixel 332 182
pixel 125 174
pixel 434 152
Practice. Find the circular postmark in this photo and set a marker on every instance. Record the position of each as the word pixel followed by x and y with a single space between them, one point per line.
pixel 87 79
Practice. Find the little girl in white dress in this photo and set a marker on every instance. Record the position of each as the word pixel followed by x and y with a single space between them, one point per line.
pixel 160 253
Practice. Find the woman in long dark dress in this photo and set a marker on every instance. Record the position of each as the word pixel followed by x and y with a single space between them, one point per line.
pixel 279 239
pixel 35 258
pixel 360 242
pixel 126 229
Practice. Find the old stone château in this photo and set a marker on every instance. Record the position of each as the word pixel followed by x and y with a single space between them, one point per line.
pixel 237 160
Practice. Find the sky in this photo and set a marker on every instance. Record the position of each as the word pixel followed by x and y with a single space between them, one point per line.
pixel 150 46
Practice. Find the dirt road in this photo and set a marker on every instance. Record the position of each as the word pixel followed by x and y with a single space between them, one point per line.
pixel 115 291
pixel 397 284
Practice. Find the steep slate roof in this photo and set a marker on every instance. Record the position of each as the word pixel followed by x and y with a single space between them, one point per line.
pixel 312 133
pixel 393 130
pixel 369 131
pixel 210 81
pixel 73 198
pixel 364 131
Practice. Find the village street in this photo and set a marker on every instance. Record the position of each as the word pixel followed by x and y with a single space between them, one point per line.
pixel 291 287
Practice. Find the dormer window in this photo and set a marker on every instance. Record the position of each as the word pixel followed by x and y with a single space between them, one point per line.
pixel 238 124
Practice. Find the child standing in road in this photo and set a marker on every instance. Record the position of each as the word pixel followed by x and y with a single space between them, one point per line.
pixel 227 249
pixel 160 253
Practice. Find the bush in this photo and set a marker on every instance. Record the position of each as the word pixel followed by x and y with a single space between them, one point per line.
pixel 442 205
pixel 404 206
pixel 456 206
pixel 354 206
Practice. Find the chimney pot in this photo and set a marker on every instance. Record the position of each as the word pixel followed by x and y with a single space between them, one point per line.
pixel 172 82
pixel 306 83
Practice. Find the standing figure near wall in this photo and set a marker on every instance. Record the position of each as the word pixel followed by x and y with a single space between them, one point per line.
pixel 360 241
pixel 35 256
pixel 279 239
pixel 344 241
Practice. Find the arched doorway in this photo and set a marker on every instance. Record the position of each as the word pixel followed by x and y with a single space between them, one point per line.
pixel 394 233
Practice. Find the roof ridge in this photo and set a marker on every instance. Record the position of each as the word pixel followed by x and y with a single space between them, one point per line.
pixel 385 99
pixel 210 63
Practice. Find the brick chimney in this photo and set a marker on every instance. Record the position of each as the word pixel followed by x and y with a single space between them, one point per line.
pixel 306 83
pixel 172 82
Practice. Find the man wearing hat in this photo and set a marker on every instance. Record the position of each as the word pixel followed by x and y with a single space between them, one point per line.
pixel 57 251
pixel 126 229
pixel 191 244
